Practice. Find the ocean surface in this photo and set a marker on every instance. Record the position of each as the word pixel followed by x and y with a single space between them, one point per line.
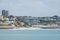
pixel 29 34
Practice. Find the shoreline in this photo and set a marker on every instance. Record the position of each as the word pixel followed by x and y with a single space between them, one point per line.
pixel 23 28
pixel 28 28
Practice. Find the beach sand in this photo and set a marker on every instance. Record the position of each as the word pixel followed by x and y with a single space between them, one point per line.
pixel 31 28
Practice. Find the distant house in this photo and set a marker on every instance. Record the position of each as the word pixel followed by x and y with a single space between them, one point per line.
pixel 57 18
pixel 45 18
pixel 20 18
pixel 53 18
pixel 31 20
pixel 1 17
pixel 11 18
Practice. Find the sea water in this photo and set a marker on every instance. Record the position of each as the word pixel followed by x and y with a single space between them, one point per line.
pixel 29 34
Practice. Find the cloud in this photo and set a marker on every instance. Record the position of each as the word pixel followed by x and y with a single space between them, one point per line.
pixel 27 7
pixel 54 1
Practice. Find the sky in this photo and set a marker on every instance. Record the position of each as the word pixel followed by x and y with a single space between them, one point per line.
pixel 31 7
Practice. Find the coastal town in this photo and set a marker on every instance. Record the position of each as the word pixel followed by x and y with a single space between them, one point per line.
pixel 8 21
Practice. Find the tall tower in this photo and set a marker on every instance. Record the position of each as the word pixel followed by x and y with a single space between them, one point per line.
pixel 5 13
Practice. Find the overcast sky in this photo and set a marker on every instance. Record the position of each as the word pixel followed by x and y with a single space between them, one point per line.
pixel 31 7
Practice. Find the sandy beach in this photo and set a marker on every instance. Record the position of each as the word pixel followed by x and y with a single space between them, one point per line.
pixel 35 27
pixel 30 28
pixel 25 28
